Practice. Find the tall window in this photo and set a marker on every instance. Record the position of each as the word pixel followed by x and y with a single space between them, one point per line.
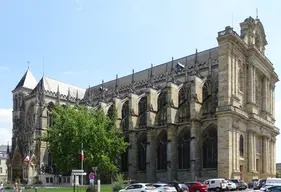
pixel 207 91
pixel 124 158
pixel 125 116
pixel 184 104
pixel 162 108
pixel 184 149
pixel 142 112
pixel 210 147
pixel 241 146
pixel 142 145
pixel 162 151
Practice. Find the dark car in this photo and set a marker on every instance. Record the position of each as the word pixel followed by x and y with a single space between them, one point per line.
pixel 260 183
pixel 180 187
pixel 273 189
pixel 253 184
pixel 241 185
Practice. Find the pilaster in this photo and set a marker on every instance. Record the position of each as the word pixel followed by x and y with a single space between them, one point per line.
pixel 225 146
pixel 265 155
pixel 172 153
pixel 237 149
pixel 251 98
pixel 151 156
pixel 151 106
pixel 118 107
pixel 251 151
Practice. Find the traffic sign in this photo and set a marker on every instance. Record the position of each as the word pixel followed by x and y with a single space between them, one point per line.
pixel 91 176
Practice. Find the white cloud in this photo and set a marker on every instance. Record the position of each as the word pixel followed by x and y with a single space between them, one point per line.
pixel 5 125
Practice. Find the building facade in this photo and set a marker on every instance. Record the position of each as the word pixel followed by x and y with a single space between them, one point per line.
pixel 4 150
pixel 207 115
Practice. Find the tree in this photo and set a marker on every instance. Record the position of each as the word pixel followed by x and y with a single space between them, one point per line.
pixel 103 143
pixel 277 174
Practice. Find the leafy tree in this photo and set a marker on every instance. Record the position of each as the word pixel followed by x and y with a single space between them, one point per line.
pixel 103 143
pixel 277 174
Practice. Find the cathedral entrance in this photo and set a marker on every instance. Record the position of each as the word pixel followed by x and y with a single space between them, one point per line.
pixel 17 167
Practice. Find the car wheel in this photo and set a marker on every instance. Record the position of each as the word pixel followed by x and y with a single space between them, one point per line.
pixel 217 189
pixel 197 190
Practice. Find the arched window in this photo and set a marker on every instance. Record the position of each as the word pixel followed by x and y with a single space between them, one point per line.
pixel 124 158
pixel 125 116
pixel 184 149
pixel 184 104
pixel 241 146
pixel 50 117
pixel 142 112
pixel 110 112
pixel 210 147
pixel 162 108
pixel 142 143
pixel 162 151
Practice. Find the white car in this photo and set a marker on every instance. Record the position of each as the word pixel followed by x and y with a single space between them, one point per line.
pixel 218 184
pixel 163 187
pixel 140 187
pixel 230 186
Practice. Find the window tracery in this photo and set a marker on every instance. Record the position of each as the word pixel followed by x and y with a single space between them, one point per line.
pixel 125 116
pixel 142 112
pixel 162 108
pixel 162 151
pixel 142 146
pixel 184 104
pixel 50 117
pixel 184 149
pixel 110 112
pixel 30 116
pixel 210 147
pixel 207 92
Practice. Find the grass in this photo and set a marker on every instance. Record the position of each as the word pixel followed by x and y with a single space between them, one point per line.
pixel 104 188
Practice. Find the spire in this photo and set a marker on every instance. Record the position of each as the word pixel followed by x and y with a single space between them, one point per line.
pixel 8 148
pixel 116 90
pixel 133 86
pixel 77 97
pixel 195 63
pixel 58 94
pixel 68 94
pixel 102 91
pixel 151 77
pixel 210 63
pixel 186 69
pixel 27 81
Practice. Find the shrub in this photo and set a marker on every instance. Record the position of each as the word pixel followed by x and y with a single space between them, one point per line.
pixel 92 188
pixel 118 183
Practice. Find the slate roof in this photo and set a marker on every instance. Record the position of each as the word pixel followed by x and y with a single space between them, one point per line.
pixel 27 81
pixel 159 71
pixel 52 86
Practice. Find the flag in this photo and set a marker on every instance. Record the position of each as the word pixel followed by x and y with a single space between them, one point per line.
pixel 26 159
pixel 82 155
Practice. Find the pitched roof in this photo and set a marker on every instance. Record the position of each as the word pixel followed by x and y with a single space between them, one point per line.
pixel 52 85
pixel 27 81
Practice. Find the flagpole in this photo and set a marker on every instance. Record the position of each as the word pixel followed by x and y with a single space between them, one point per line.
pixel 82 159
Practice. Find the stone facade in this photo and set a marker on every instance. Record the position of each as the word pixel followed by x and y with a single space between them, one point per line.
pixel 207 115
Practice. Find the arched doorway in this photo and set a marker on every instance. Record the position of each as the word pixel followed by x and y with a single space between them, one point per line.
pixel 17 167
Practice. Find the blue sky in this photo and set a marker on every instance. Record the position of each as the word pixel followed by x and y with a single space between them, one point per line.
pixel 85 41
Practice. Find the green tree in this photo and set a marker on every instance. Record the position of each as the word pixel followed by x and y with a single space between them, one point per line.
pixel 103 143
pixel 277 174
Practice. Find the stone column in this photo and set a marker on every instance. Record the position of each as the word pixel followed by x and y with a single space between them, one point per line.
pixel 151 138
pixel 274 155
pixel 264 94
pixel 272 171
pixel 193 149
pixel 251 151
pixel 233 150
pixel 264 155
pixel 251 80
pixel 133 117
pixel 273 101
pixel 151 157
pixel 254 152
pixel 237 154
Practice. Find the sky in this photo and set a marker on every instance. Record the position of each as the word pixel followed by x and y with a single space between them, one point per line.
pixel 82 42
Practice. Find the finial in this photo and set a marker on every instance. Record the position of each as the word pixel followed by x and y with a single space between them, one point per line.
pixel 196 55
pixel 116 91
pixel 28 63
pixel 172 65
pixel 133 76
pixel 58 88
pixel 186 69
pixel 257 13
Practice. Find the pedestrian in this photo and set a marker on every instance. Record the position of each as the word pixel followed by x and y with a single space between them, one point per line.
pixel 16 188
pixel 1 187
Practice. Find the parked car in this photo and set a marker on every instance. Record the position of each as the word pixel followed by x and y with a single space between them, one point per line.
pixel 273 189
pixel 231 186
pixel 180 187
pixel 253 184
pixel 196 187
pixel 163 187
pixel 216 184
pixel 241 185
pixel 261 183
pixel 140 187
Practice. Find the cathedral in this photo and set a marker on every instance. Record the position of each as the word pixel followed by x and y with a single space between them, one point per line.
pixel 206 115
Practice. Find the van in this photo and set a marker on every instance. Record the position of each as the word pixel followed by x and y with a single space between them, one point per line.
pixel 216 184
pixel 273 181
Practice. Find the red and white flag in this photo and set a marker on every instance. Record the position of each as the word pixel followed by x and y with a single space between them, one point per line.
pixel 82 155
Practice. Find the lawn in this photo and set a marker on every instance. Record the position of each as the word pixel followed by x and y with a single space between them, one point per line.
pixel 104 188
